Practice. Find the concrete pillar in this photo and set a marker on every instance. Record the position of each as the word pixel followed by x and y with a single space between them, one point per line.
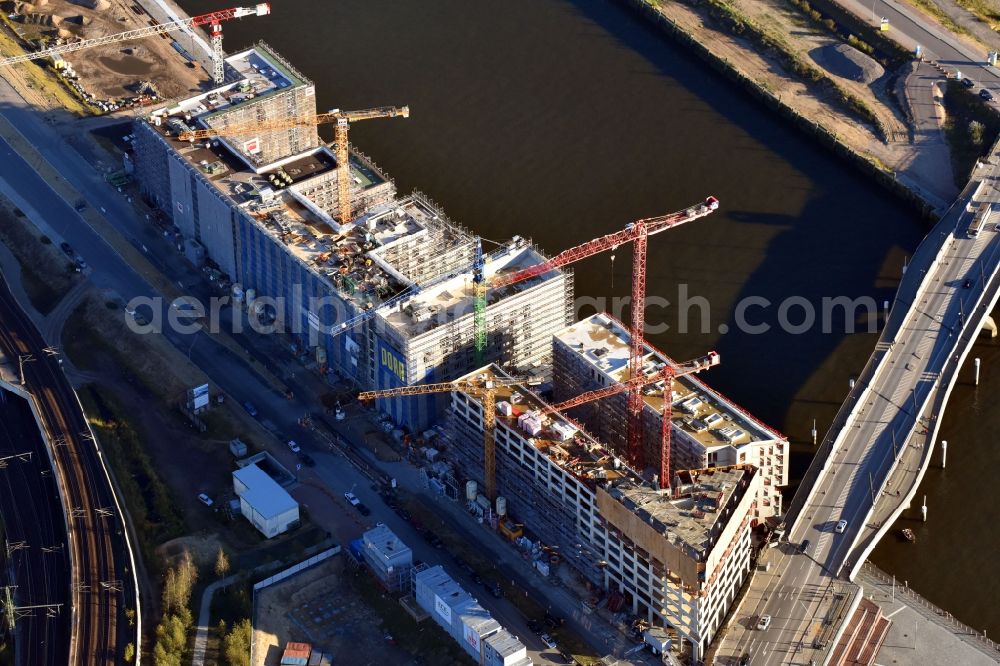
pixel 990 326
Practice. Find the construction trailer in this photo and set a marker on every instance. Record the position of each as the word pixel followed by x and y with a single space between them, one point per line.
pixel 389 559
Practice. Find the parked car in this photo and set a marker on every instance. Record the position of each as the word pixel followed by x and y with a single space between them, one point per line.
pixel 534 627
pixel 307 459
pixel 80 263
pixel 294 447
pixel 553 621
pixel 205 499
pixel 251 410
pixel 841 526
pixel 350 497
pixel 804 545
pixel 495 589
pixel 80 206
pixel 435 541
pixel 764 622
pixel 549 641
pixel 362 509
pixel 986 94
pixel 968 83
pixel 68 249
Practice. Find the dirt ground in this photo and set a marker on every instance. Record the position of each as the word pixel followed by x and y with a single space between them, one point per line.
pixel 768 72
pixel 113 70
pixel 319 606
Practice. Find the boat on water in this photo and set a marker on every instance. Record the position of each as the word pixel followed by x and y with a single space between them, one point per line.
pixel 909 535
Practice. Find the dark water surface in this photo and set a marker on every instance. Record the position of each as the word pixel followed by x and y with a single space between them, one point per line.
pixel 563 120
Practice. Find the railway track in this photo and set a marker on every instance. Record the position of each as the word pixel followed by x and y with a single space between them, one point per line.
pixel 103 584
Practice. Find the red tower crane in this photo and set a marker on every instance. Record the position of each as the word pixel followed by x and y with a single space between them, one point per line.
pixel 637 232
pixel 635 385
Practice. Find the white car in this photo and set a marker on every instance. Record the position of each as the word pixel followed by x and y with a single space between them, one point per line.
pixel 352 499
pixel 841 526
pixel 205 499
pixel 764 622
pixel 549 641
pixel 293 446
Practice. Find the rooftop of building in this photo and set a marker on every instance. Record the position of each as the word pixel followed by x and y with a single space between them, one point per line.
pixel 452 297
pixel 384 542
pixel 294 198
pixel 504 643
pixel 701 412
pixel 691 514
pixel 560 438
pixel 263 493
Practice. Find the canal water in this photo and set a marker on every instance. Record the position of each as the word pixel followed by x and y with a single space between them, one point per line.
pixel 562 120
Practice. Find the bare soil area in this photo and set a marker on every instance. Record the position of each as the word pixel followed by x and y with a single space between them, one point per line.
pixel 319 606
pixel 111 71
pixel 768 72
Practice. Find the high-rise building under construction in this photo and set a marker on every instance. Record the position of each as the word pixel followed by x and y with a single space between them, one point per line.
pixel 265 208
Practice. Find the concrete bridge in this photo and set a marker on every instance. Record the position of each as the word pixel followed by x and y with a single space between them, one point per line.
pixel 868 468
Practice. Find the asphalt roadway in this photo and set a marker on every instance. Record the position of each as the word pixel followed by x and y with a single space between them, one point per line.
pixel 36 564
pixel 798 594
pixel 109 270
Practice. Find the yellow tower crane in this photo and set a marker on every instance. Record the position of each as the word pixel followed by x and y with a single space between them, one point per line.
pixel 483 388
pixel 341 150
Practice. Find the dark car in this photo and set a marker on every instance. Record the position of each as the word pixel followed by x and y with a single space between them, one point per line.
pixel 251 410
pixel 967 284
pixel 477 579
pixel 553 621
pixel 495 589
pixel 68 249
pixel 745 659
pixel 986 94
pixel 804 545
pixel 79 206
pixel 307 459
pixel 435 541
pixel 534 626
pixel 362 509
pixel 968 83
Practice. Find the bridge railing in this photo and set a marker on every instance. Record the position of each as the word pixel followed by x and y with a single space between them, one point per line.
pixel 885 584
pixel 911 287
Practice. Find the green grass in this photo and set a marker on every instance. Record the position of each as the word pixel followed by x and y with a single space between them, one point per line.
pixel 149 501
pixel 45 288
pixel 962 107
pixel 928 7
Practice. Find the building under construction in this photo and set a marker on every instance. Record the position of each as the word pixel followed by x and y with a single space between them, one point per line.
pixel 266 207
pixel 675 559
pixel 707 429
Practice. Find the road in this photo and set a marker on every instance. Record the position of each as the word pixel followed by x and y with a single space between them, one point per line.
pixel 888 421
pixel 36 563
pixel 909 27
pixel 228 370
pixel 103 581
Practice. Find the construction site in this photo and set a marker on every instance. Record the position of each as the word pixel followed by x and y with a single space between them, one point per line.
pixel 649 514
pixel 120 68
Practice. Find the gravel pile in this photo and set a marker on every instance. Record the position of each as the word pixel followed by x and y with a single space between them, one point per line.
pixel 846 61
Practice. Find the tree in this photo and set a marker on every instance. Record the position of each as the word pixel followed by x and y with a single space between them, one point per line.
pixel 129 653
pixel 976 132
pixel 221 563
pixel 236 645
pixel 179 581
